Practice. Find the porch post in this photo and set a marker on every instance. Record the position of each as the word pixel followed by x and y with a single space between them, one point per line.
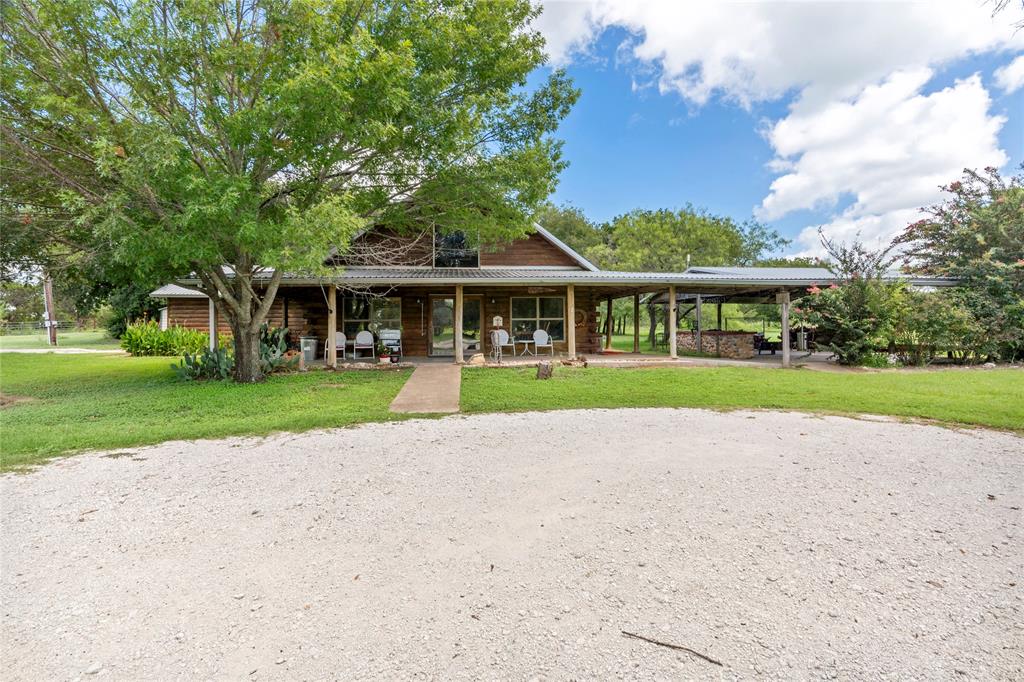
pixel 720 316
pixel 636 323
pixel 332 326
pixel 458 324
pixel 671 322
pixel 700 326
pixel 570 321
pixel 608 325
pixel 213 324
pixel 783 299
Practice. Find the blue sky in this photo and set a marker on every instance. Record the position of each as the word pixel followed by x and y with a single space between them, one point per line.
pixel 636 139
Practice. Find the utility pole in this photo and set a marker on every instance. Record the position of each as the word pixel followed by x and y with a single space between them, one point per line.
pixel 51 323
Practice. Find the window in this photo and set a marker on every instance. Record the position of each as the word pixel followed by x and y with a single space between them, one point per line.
pixel 455 250
pixel 531 314
pixel 372 313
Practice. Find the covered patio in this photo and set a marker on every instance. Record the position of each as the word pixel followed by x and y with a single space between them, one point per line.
pixel 545 310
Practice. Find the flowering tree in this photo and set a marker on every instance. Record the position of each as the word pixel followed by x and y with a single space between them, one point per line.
pixel 977 236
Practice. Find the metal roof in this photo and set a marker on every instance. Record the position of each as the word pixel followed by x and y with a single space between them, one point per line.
pixel 694 280
pixel 791 273
pixel 175 291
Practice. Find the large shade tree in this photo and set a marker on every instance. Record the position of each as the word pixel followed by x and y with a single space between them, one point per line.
pixel 237 140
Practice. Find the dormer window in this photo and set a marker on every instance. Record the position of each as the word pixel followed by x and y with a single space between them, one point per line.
pixel 455 250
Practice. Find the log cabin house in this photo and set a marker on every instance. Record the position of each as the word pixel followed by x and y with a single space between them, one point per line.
pixel 437 287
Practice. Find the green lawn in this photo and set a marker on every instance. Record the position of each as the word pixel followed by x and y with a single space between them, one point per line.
pixel 97 338
pixel 78 402
pixel 58 404
pixel 979 397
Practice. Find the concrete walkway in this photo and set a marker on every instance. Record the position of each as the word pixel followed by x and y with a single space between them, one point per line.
pixel 432 388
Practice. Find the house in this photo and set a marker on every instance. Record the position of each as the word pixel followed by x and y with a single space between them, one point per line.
pixel 438 287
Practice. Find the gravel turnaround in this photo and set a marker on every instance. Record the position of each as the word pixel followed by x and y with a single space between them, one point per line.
pixel 521 546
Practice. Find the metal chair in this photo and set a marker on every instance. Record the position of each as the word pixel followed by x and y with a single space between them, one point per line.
pixel 499 340
pixel 392 338
pixel 541 339
pixel 339 345
pixel 364 340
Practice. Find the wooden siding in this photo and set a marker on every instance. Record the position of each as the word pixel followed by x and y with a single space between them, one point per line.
pixel 534 250
pixel 307 313
pixel 193 313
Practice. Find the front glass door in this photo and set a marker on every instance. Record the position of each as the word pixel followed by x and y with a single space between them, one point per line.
pixel 442 325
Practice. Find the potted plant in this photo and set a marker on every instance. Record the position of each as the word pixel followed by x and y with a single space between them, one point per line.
pixel 384 353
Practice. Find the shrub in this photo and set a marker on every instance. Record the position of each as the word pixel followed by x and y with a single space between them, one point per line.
pixel 876 360
pixel 851 320
pixel 208 364
pixel 218 364
pixel 146 338
pixel 931 323
pixel 273 346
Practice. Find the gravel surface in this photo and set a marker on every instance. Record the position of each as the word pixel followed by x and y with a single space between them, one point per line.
pixel 520 546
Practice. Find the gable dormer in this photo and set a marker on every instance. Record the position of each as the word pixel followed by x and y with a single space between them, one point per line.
pixel 539 249
pixel 382 247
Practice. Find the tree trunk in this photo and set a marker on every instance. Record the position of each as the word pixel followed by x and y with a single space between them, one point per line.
pixel 247 355
pixel 246 310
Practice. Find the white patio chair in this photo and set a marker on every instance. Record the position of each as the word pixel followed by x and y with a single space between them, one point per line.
pixel 541 339
pixel 364 341
pixel 499 340
pixel 392 338
pixel 339 345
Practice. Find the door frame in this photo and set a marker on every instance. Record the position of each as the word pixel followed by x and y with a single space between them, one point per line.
pixel 430 322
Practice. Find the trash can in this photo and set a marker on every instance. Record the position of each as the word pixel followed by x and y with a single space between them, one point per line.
pixel 308 346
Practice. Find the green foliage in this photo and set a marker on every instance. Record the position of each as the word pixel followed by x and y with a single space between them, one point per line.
pixel 206 364
pixel 850 320
pixel 219 364
pixel 977 236
pixel 273 346
pixel 928 324
pixel 572 226
pixel 21 302
pixel 146 338
pixel 668 241
pixel 127 304
pixel 181 136
pixel 876 360
pixel 662 240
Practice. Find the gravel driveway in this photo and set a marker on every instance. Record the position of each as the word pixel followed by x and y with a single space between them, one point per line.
pixel 520 546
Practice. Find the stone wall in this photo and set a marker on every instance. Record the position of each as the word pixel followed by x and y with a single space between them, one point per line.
pixel 738 345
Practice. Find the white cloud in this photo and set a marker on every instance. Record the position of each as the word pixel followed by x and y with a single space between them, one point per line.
pixel 1010 78
pixel 755 51
pixel 889 149
pixel 862 124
